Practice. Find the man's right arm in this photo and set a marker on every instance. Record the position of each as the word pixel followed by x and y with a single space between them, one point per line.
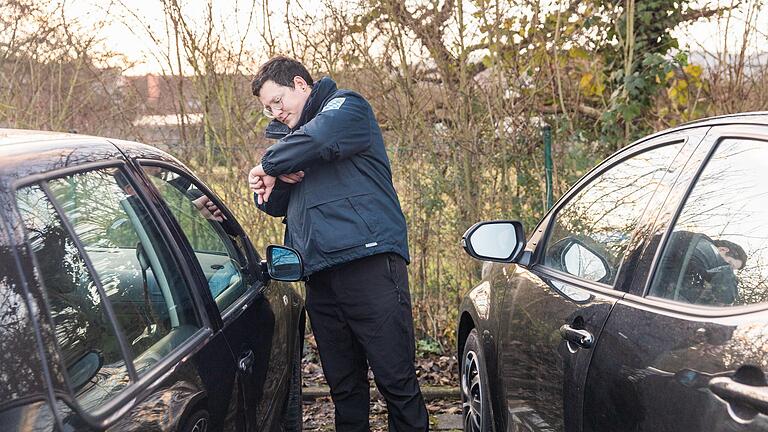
pixel 278 200
pixel 334 133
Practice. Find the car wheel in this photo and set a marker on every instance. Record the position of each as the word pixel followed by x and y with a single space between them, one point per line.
pixel 475 400
pixel 197 423
pixel 292 416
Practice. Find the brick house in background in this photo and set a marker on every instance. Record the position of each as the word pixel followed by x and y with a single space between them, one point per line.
pixel 160 121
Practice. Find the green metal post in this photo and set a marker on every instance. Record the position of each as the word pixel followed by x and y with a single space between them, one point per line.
pixel 546 131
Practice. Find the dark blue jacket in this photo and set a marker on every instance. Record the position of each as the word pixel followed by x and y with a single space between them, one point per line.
pixel 346 207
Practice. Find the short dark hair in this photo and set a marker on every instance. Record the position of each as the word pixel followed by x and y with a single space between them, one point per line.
pixel 734 250
pixel 281 70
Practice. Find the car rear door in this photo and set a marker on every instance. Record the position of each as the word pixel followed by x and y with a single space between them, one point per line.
pixel 256 317
pixel 687 348
pixel 583 252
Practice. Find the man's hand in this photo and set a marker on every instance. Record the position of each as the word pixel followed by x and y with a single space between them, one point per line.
pixel 255 172
pixel 261 183
pixel 255 182
pixel 209 209
pixel 292 178
pixel 263 186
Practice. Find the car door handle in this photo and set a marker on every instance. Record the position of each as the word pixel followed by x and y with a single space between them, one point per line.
pixel 581 338
pixel 246 361
pixel 736 392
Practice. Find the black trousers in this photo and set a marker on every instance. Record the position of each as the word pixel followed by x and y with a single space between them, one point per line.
pixel 361 315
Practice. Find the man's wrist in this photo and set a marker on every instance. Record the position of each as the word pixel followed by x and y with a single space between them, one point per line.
pixel 269 168
pixel 259 171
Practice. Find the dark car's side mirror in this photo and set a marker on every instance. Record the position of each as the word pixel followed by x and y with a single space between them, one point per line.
pixel 284 264
pixel 500 241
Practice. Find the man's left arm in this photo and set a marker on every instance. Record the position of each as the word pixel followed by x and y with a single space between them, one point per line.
pixel 340 130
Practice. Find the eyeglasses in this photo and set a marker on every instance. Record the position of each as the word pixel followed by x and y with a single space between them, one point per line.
pixel 269 110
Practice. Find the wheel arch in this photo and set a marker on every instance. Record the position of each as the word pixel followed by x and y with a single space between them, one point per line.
pixel 466 324
pixel 198 402
pixel 302 328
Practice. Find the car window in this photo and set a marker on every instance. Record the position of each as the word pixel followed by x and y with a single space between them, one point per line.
pixel 591 232
pixel 717 252
pixel 150 299
pixel 213 238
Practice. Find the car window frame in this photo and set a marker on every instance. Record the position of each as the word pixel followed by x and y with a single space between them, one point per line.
pixel 539 240
pixel 24 265
pixel 254 287
pixel 126 399
pixel 717 134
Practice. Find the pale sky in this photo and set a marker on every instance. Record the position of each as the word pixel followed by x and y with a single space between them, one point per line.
pixel 129 35
pixel 130 22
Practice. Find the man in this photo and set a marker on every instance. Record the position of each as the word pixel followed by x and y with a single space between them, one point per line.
pixel 715 262
pixel 708 277
pixel 330 178
pixel 731 253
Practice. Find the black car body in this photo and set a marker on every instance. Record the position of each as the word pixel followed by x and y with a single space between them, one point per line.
pixel 126 301
pixel 638 303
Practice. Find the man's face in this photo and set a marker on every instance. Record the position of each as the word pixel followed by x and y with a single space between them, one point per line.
pixel 285 103
pixel 735 263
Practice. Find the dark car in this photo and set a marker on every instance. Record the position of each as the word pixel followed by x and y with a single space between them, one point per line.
pixel 132 300
pixel 638 303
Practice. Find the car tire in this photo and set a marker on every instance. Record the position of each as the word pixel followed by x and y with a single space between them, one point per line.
pixel 198 422
pixel 475 397
pixel 293 418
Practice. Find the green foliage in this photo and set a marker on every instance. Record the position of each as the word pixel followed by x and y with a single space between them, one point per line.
pixel 638 63
pixel 428 346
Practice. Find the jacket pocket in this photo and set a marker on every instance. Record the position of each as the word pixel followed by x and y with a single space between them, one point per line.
pixel 343 223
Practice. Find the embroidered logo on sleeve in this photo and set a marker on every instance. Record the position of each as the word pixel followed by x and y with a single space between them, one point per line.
pixel 334 104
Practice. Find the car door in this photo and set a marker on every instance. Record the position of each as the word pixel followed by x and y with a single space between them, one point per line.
pixel 256 318
pixel 136 351
pixel 687 349
pixel 556 307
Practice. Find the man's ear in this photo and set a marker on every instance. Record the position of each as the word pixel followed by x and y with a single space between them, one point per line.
pixel 723 250
pixel 300 84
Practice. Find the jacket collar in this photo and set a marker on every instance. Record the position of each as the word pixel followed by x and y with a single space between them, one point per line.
pixel 320 92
